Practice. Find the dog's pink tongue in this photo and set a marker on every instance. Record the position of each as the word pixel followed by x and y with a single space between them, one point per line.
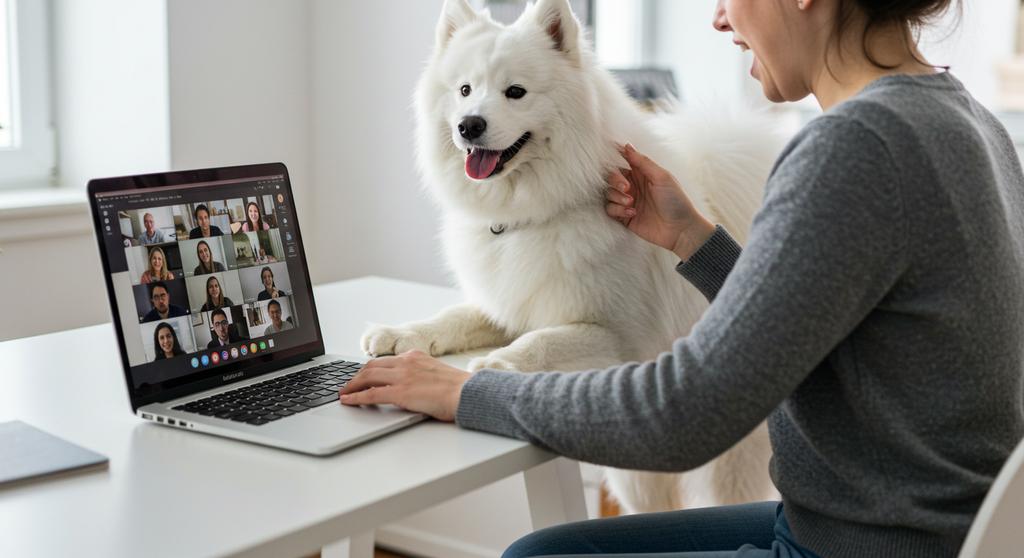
pixel 481 163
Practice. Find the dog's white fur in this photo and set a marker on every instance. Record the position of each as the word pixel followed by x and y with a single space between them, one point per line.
pixel 566 287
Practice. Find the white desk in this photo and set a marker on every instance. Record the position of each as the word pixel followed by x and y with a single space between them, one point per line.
pixel 180 494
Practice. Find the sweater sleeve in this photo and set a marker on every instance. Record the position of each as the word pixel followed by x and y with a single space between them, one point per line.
pixel 826 247
pixel 709 266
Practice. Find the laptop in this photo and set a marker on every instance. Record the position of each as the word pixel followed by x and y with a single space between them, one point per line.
pixel 214 313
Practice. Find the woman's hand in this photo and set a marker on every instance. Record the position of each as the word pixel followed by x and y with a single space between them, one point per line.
pixel 649 201
pixel 413 380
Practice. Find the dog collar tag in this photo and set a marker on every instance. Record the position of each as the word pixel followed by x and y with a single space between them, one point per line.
pixel 497 229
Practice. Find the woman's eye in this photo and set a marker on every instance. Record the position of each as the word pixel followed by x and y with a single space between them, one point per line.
pixel 466 90
pixel 515 92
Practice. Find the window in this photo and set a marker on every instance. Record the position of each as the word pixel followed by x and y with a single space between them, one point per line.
pixel 26 134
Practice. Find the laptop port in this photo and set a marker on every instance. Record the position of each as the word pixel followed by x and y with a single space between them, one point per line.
pixel 171 422
pixel 147 416
pixel 159 419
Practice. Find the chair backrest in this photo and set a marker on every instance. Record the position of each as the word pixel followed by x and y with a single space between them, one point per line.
pixel 998 529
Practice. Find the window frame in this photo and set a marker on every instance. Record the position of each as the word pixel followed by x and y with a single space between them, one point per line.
pixel 30 162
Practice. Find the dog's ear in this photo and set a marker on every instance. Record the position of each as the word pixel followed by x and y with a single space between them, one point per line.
pixel 557 19
pixel 454 14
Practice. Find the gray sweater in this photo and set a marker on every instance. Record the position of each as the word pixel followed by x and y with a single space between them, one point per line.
pixel 875 318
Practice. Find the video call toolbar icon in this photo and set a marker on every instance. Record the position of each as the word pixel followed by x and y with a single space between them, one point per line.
pixel 223 355
pixel 215 357
pixel 205 360
pixel 234 352
pixel 244 350
pixel 252 348
pixel 195 362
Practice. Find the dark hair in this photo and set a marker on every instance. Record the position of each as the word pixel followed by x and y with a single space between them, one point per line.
pixel 910 15
pixel 218 311
pixel 272 301
pixel 156 284
pixel 258 225
pixel 175 350
pixel 195 212
pixel 267 269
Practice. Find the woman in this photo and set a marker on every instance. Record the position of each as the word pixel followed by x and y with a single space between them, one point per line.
pixel 270 289
pixel 157 270
pixel 873 317
pixel 206 263
pixel 165 342
pixel 254 221
pixel 215 296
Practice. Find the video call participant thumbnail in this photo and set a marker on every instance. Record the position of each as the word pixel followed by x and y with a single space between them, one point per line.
pixel 223 333
pixel 160 298
pixel 205 229
pixel 165 342
pixel 277 325
pixel 157 268
pixel 215 296
pixel 254 219
pixel 151 235
pixel 206 262
pixel 270 289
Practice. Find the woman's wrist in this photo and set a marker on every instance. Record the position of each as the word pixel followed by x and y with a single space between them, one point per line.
pixel 691 238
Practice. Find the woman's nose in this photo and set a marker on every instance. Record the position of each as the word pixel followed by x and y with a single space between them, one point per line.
pixel 721 22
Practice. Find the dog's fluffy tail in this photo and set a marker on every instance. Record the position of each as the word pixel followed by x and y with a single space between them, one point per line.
pixel 726 157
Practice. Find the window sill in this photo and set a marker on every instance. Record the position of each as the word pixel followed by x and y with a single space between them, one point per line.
pixel 30 214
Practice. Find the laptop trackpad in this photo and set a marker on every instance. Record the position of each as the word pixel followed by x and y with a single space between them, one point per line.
pixel 367 415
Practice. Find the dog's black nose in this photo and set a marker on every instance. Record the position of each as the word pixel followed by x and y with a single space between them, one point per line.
pixel 472 127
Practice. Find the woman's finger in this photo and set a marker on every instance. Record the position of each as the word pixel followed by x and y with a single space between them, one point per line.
pixel 618 181
pixel 618 197
pixel 640 162
pixel 619 212
pixel 374 396
pixel 372 377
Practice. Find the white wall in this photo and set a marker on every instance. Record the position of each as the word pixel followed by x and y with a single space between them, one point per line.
pixel 366 58
pixel 984 37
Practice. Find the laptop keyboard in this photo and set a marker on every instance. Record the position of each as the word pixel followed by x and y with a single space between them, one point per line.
pixel 279 397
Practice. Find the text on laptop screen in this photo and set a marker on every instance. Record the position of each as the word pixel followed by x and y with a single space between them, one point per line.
pixel 205 276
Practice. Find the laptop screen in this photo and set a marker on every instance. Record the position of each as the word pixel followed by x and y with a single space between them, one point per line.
pixel 208 279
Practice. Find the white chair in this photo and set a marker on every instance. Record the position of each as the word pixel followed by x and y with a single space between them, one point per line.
pixel 998 529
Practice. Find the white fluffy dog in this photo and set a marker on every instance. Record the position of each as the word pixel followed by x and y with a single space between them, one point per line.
pixel 517 133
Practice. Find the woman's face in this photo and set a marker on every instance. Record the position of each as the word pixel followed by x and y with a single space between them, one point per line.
pixel 268 279
pixel 203 217
pixel 156 261
pixel 213 289
pixel 784 39
pixel 166 339
pixel 204 253
pixel 254 213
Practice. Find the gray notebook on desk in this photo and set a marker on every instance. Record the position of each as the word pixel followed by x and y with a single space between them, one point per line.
pixel 28 453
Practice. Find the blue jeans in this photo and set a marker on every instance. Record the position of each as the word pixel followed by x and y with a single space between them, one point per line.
pixel 745 531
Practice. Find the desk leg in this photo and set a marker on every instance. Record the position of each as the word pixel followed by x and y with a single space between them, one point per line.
pixel 554 491
pixel 356 546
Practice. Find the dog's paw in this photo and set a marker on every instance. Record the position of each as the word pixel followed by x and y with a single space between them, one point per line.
pixel 386 340
pixel 492 362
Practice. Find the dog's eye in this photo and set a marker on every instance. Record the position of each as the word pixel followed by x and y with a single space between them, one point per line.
pixel 515 92
pixel 466 90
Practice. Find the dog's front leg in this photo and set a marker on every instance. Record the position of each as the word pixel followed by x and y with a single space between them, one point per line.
pixel 579 346
pixel 456 329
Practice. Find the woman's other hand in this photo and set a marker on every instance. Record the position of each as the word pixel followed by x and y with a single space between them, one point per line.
pixel 649 201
